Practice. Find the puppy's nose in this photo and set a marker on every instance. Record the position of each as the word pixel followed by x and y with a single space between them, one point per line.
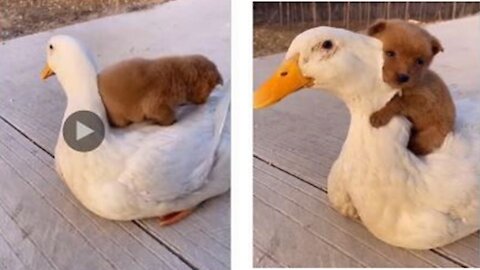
pixel 402 78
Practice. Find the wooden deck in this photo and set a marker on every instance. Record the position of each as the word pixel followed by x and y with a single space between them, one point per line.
pixel 42 226
pixel 295 144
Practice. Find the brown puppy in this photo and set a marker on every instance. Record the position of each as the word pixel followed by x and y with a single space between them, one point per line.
pixel 425 99
pixel 142 89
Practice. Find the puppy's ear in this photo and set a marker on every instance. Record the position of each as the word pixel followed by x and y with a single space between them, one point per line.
pixel 436 46
pixel 377 27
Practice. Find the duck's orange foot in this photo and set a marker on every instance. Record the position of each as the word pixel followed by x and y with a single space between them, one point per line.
pixel 174 217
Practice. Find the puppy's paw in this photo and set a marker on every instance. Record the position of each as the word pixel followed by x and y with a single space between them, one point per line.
pixel 379 119
pixel 119 122
pixel 168 121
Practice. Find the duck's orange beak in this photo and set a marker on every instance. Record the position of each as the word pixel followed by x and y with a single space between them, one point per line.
pixel 46 72
pixel 287 79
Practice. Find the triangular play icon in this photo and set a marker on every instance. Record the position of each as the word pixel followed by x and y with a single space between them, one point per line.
pixel 82 131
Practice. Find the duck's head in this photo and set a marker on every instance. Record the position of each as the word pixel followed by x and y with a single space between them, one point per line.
pixel 339 61
pixel 69 60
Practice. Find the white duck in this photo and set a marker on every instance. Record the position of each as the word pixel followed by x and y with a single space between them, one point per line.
pixel 403 200
pixel 144 170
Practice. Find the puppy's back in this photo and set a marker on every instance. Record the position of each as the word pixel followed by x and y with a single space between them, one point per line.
pixel 133 89
pixel 444 111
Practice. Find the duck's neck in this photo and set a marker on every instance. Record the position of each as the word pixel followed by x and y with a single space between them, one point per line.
pixel 82 93
pixel 364 103
pixel 378 145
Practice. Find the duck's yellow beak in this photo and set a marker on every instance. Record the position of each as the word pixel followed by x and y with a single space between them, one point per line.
pixel 46 72
pixel 286 80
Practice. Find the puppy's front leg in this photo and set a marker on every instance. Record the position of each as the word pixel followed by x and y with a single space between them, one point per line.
pixel 382 117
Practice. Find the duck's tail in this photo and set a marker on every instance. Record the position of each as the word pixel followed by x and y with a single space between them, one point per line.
pixel 222 115
pixel 221 126
pixel 468 126
pixel 453 171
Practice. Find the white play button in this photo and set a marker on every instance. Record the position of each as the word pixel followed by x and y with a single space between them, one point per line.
pixel 82 131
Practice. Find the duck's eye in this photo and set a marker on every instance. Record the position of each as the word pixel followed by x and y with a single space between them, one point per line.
pixel 390 53
pixel 51 47
pixel 420 61
pixel 327 44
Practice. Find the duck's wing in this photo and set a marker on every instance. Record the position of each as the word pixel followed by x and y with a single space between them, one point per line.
pixel 468 122
pixel 174 161
pixel 469 125
pixel 466 95
pixel 452 174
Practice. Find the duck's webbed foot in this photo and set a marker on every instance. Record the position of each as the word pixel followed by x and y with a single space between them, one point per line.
pixel 174 217
pixel 349 210
pixel 343 204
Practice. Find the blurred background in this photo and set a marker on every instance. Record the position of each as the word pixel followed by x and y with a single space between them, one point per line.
pixel 277 23
pixel 23 17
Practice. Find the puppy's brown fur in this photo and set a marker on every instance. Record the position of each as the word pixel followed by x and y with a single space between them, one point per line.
pixel 425 99
pixel 150 89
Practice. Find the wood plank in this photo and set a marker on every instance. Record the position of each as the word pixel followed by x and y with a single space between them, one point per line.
pixel 294 224
pixel 203 238
pixel 8 258
pixel 284 241
pixel 22 246
pixel 30 212
pixel 261 259
pixel 41 210
pixel 465 251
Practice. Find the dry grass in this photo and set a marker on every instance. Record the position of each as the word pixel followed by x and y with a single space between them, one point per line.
pixel 270 39
pixel 23 17
pixel 273 39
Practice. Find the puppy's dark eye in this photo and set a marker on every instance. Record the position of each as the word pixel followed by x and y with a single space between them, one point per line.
pixel 51 47
pixel 420 61
pixel 390 53
pixel 327 44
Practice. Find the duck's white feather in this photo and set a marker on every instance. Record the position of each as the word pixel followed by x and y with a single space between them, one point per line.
pixel 402 199
pixel 165 154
